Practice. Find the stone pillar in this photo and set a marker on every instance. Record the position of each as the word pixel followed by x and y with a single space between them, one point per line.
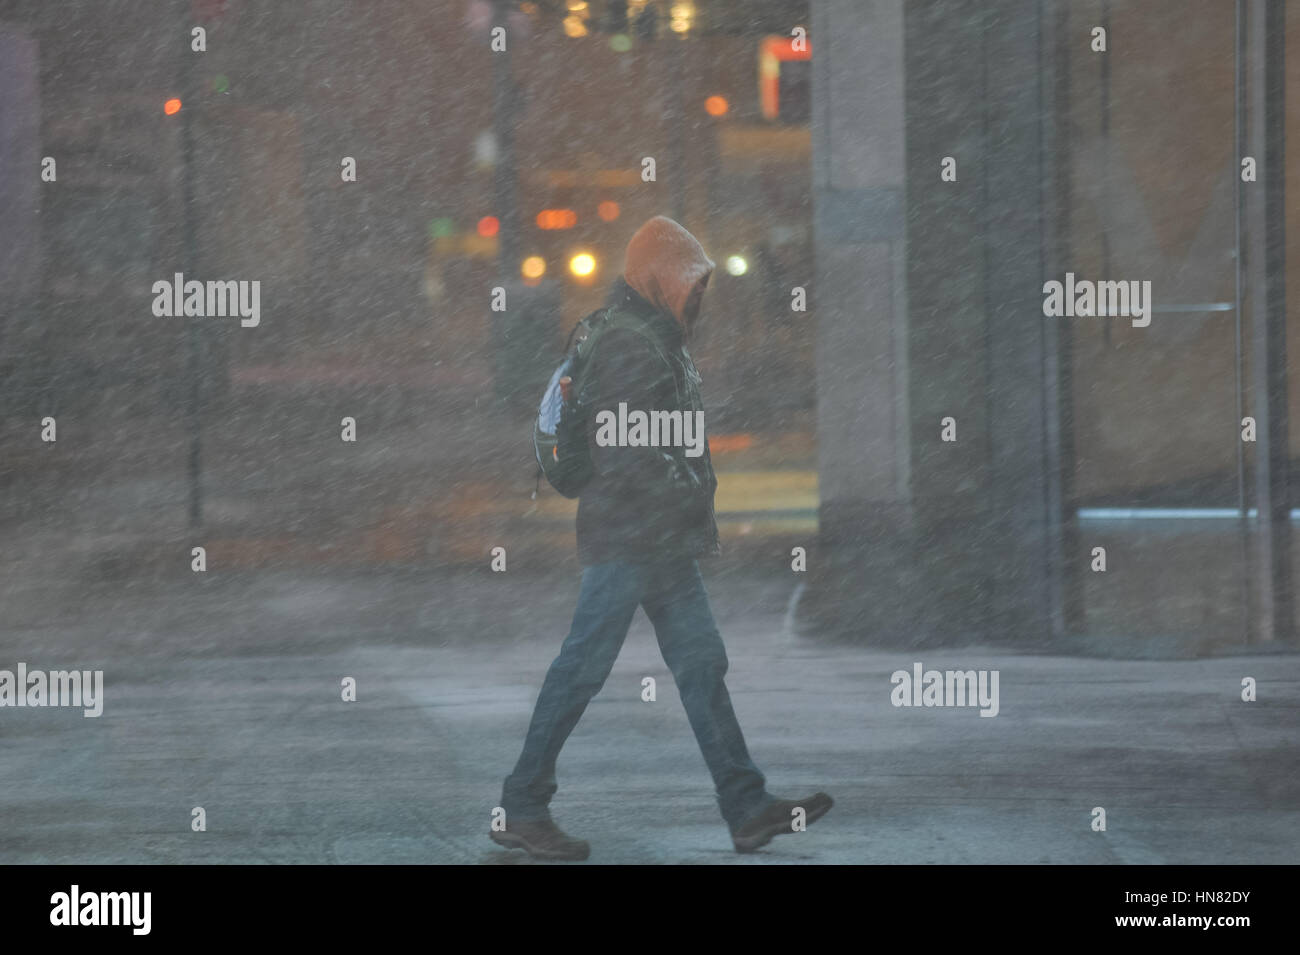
pixel 859 302
pixel 928 302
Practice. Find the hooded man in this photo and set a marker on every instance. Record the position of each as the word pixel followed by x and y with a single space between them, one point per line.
pixel 643 519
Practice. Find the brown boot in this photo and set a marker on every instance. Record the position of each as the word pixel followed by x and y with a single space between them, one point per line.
pixel 776 818
pixel 542 839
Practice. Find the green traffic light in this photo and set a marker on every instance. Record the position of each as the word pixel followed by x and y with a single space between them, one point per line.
pixel 442 228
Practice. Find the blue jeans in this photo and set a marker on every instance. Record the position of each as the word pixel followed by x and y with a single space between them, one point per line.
pixel 672 593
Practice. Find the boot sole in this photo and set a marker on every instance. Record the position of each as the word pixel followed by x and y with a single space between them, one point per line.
pixel 512 841
pixel 764 836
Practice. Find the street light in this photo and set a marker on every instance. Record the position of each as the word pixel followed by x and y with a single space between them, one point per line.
pixel 533 267
pixel 575 23
pixel 681 16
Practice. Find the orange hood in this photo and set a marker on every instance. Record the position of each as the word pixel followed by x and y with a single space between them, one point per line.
pixel 664 262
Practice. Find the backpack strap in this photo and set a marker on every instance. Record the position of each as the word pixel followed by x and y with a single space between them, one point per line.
pixel 591 322
pixel 613 319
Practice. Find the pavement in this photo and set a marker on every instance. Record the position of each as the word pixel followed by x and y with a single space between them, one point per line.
pixel 224 691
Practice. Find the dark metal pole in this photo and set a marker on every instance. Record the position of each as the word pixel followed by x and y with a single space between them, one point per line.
pixel 194 402
pixel 505 112
pixel 1240 150
pixel 1279 444
pixel 1105 140
pixel 1067 605
pixel 1054 237
pixel 1266 290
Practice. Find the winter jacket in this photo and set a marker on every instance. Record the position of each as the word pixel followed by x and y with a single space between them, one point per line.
pixel 648 503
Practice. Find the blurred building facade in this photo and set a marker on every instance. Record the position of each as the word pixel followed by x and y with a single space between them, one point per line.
pixel 400 263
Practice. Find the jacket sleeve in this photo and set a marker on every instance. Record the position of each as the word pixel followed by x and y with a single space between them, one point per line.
pixel 625 368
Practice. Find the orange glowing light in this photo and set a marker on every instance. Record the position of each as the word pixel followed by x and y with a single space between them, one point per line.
pixel 489 226
pixel 716 106
pixel 774 51
pixel 723 443
pixel 608 210
pixel 557 219
pixel 172 106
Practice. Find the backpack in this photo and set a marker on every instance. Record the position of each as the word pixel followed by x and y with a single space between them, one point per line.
pixel 560 432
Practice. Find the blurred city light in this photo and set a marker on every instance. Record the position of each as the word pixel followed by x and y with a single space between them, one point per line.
pixel 716 106
pixel 489 226
pixel 774 51
pixel 608 210
pixel 557 219
pixel 533 267
pixel 485 149
pixel 583 265
pixel 682 16
pixel 172 106
pixel 736 265
pixel 725 443
pixel 575 24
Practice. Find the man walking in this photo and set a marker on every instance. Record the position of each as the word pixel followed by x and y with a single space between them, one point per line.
pixel 643 519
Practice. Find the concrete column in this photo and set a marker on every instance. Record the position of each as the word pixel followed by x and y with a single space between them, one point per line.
pixel 929 306
pixel 859 298
pixel 859 302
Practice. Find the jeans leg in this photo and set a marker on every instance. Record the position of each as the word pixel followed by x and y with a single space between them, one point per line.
pixel 678 606
pixel 608 599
